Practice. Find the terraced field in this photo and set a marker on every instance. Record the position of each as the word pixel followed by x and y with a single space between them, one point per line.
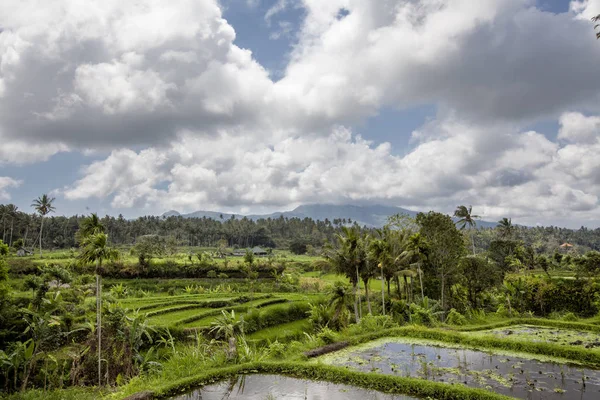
pixel 200 310
pixel 281 332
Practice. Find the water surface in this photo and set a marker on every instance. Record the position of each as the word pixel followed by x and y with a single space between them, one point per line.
pixel 271 387
pixel 515 376
pixel 569 337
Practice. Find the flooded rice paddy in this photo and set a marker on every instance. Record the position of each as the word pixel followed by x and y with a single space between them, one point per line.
pixel 512 375
pixel 568 337
pixel 271 387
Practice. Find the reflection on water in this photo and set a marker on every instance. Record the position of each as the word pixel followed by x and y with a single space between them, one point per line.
pixel 271 387
pixel 514 376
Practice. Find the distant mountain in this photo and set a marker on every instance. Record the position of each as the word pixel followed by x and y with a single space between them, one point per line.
pixel 369 215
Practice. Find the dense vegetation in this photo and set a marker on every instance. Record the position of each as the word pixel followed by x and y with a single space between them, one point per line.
pixel 148 312
pixel 21 228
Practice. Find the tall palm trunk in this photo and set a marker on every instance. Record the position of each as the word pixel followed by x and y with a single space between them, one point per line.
pixel 99 320
pixel 12 222
pixel 472 240
pixel 41 235
pixel 421 282
pixel 356 302
pixel 366 283
pixel 382 292
pixel 358 295
pixel 443 297
pixel 398 286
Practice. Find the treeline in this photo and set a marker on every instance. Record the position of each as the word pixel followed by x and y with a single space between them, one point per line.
pixel 546 239
pixel 59 231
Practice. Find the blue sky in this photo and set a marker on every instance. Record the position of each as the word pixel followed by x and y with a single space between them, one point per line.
pixel 485 109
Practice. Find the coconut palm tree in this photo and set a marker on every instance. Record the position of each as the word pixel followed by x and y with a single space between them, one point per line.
pixel 43 205
pixel 378 251
pixel 505 228
pixel 89 226
pixel 339 300
pixel 403 256
pixel 467 218
pixel 418 247
pixel 12 213
pixel 3 216
pixel 348 257
pixel 94 250
pixel 596 19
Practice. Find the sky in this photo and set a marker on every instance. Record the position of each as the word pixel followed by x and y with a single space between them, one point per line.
pixel 253 106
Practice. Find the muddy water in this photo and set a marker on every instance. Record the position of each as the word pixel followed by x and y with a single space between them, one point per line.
pixel 511 375
pixel 271 387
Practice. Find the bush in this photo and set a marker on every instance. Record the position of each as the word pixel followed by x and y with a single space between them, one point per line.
pixel 570 317
pixel 327 335
pixel 259 319
pixel 455 318
pixel 543 296
pixel 370 323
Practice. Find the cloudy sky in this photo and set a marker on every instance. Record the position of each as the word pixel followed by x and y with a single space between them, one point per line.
pixel 262 105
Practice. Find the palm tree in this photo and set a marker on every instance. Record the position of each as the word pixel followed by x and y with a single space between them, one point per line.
pixel 94 250
pixel 348 257
pixel 466 219
pixel 3 215
pixel 418 247
pixel 43 205
pixel 89 226
pixel 596 19
pixel 369 271
pixel 505 228
pixel 379 253
pixel 12 212
pixel 339 300
pixel 403 256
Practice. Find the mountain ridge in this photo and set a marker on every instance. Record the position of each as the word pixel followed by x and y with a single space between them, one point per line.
pixel 364 215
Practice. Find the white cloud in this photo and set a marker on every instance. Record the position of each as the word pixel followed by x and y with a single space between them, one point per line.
pixel 5 184
pixel 585 9
pixel 490 60
pixel 20 152
pixel 576 127
pixel 123 73
pixel 502 170
pixel 275 9
pixel 167 77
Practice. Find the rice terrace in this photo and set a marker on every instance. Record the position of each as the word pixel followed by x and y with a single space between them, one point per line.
pixel 300 199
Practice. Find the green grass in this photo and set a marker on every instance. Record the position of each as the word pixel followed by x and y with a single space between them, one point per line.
pixel 282 332
pixel 74 393
pixel 330 278
pixel 173 318
pixel 205 318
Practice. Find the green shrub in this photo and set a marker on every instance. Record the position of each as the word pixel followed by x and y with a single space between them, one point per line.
pixel 276 349
pixel 370 323
pixel 327 335
pixel 570 317
pixel 455 318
